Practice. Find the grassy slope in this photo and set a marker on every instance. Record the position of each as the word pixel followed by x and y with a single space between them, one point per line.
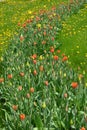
pixel 74 40
pixel 16 11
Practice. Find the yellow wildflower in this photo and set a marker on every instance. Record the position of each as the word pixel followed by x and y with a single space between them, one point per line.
pixel 29 12
pixel 39 25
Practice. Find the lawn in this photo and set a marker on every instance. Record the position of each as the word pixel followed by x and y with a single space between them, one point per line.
pixel 39 85
pixel 74 39
pixel 16 12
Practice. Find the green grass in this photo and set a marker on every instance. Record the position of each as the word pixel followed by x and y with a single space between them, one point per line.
pixel 16 11
pixel 74 40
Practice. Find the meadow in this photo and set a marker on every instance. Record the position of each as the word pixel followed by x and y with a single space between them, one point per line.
pixel 39 85
pixel 74 38
pixel 16 12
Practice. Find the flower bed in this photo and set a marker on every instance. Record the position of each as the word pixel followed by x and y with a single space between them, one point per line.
pixel 38 89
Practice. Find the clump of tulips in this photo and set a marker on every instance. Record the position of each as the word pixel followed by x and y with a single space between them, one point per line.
pixel 37 85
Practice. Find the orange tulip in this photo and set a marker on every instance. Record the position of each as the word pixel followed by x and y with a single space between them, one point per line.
pixel 65 58
pixel 28 95
pixel 10 76
pixel 83 128
pixel 43 42
pixel 35 72
pixel 15 107
pixel 21 74
pixel 19 24
pixel 55 57
pixel 41 68
pixel 34 56
pixel 46 83
pixel 35 43
pixel 1 80
pixel 63 54
pixel 32 90
pixel 51 49
pixel 58 51
pixel 22 116
pixel 65 95
pixel 20 88
pixel 52 39
pixel 34 61
pixel 21 38
pixel 44 33
pixel 74 84
pixel 24 25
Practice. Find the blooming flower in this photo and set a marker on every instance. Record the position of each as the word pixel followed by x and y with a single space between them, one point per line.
pixel 41 68
pixel 52 38
pixel 63 54
pixel 29 21
pixel 37 18
pixel 15 107
pixel 21 38
pixel 83 128
pixel 52 49
pixel 65 58
pixel 65 95
pixel 46 83
pixel 44 33
pixel 22 116
pixel 34 56
pixel 35 72
pixel 39 25
pixel 9 76
pixel 34 61
pixel 35 43
pixel 32 90
pixel 43 42
pixel 55 57
pixel 58 51
pixel 20 88
pixel 80 76
pixel 24 25
pixel 74 84
pixel 19 24
pixel 1 80
pixel 28 95
pixel 21 74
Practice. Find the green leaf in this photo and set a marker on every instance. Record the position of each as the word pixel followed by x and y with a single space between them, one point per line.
pixel 81 112
pixel 63 125
pixel 38 122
